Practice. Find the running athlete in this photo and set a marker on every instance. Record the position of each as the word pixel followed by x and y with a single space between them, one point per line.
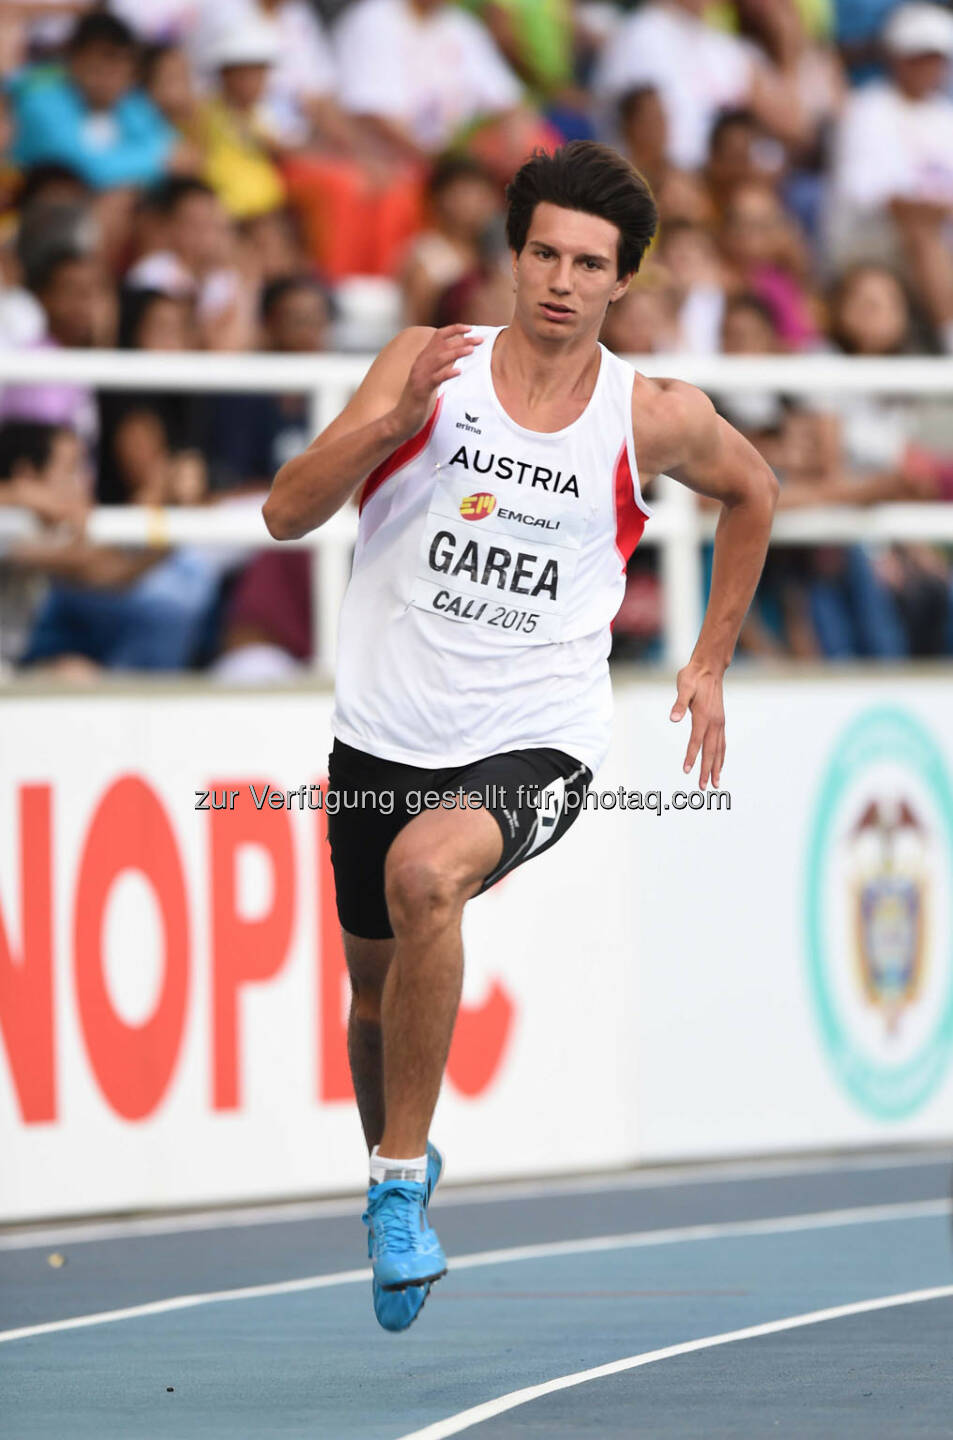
pixel 498 472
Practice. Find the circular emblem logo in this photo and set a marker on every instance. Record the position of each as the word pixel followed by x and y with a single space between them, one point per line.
pixel 878 913
pixel 478 506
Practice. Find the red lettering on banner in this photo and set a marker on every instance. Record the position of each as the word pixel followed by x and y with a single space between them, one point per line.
pixel 243 950
pixel 26 981
pixel 130 830
pixel 334 1080
pixel 480 1037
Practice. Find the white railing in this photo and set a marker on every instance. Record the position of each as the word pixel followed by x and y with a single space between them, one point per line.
pixel 677 525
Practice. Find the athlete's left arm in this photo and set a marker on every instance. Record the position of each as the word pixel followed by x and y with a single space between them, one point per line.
pixel 679 433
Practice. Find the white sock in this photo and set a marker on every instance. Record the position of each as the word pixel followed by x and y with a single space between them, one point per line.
pixel 384 1168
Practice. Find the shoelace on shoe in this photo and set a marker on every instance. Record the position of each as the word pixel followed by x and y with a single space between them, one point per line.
pixel 396 1227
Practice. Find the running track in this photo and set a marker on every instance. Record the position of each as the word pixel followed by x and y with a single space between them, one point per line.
pixel 806 1299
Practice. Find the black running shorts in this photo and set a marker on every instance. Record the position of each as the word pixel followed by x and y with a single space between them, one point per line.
pixel 534 796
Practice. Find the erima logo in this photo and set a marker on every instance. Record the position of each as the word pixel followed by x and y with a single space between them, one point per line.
pixel 470 424
pixel 478 506
pixel 504 467
pixel 472 418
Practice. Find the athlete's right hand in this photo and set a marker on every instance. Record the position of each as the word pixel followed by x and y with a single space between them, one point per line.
pixel 436 362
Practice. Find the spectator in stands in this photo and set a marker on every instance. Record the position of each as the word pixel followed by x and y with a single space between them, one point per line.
pixel 766 255
pixel 267 628
pixel 77 312
pixel 739 153
pixel 238 144
pixel 40 475
pixel 645 320
pixel 251 436
pixel 167 79
pixel 891 190
pixel 748 327
pixel 194 259
pixel 148 451
pixel 688 255
pixel 298 105
pixel 90 116
pixel 420 71
pixel 643 131
pixel 464 205
pixel 698 71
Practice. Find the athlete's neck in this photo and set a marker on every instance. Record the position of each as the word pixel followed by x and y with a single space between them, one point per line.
pixel 545 375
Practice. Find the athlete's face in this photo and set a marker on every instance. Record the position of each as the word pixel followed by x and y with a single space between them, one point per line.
pixel 566 273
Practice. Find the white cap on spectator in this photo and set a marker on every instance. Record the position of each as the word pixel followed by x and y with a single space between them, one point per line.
pixel 252 43
pixel 919 29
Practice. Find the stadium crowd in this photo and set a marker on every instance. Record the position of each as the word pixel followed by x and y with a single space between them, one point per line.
pixel 245 175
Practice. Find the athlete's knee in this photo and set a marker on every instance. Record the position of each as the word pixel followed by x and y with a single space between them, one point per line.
pixel 422 893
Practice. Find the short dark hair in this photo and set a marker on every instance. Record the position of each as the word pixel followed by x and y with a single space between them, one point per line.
pixel 35 178
pixel 167 195
pixel 748 300
pixel 100 28
pixel 725 120
pixel 25 441
pixel 41 274
pixel 456 165
pixel 593 178
pixel 276 290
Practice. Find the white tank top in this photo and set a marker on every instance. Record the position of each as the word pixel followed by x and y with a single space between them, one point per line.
pixel 490 562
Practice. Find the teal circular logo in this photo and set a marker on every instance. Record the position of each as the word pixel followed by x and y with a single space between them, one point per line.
pixel 878 902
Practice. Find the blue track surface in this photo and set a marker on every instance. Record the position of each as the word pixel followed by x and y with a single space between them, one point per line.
pixel 628 1267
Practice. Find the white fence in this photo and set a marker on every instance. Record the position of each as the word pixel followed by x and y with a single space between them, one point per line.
pixel 677 526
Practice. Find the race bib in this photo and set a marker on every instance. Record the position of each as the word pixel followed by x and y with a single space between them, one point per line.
pixel 498 558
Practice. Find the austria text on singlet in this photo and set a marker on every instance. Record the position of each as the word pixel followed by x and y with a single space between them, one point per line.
pixel 490 561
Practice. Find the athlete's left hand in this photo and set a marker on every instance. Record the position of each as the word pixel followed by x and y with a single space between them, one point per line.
pixel 700 690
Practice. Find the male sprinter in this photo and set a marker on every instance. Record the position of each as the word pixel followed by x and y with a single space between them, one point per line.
pixel 499 475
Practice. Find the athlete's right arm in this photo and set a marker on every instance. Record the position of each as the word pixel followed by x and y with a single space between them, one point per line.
pixel 392 403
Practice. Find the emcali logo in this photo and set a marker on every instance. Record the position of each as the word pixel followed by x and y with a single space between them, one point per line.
pixel 478 506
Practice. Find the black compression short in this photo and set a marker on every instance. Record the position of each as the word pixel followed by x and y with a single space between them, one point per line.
pixel 370 800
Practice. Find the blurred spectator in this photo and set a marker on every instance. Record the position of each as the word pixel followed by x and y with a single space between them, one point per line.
pixel 238 145
pixel 645 320
pixel 464 205
pixel 689 256
pixel 77 313
pixel 298 105
pixel 148 440
pixel 748 327
pixel 698 71
pixel 267 627
pixel 193 258
pixel 535 37
pixel 91 117
pixel 643 130
pixel 420 71
pixel 483 296
pixel 39 474
pixel 167 80
pixel 891 191
pixel 739 153
pixel 251 436
pixel 766 255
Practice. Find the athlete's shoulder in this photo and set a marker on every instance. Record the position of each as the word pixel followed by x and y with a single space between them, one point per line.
pixel 668 416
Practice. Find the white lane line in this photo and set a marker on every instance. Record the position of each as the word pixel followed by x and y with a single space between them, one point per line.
pixel 79 1232
pixel 639 1239
pixel 491 1408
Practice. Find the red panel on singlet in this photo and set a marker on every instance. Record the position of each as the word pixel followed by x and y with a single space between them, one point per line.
pixel 402 456
pixel 629 519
